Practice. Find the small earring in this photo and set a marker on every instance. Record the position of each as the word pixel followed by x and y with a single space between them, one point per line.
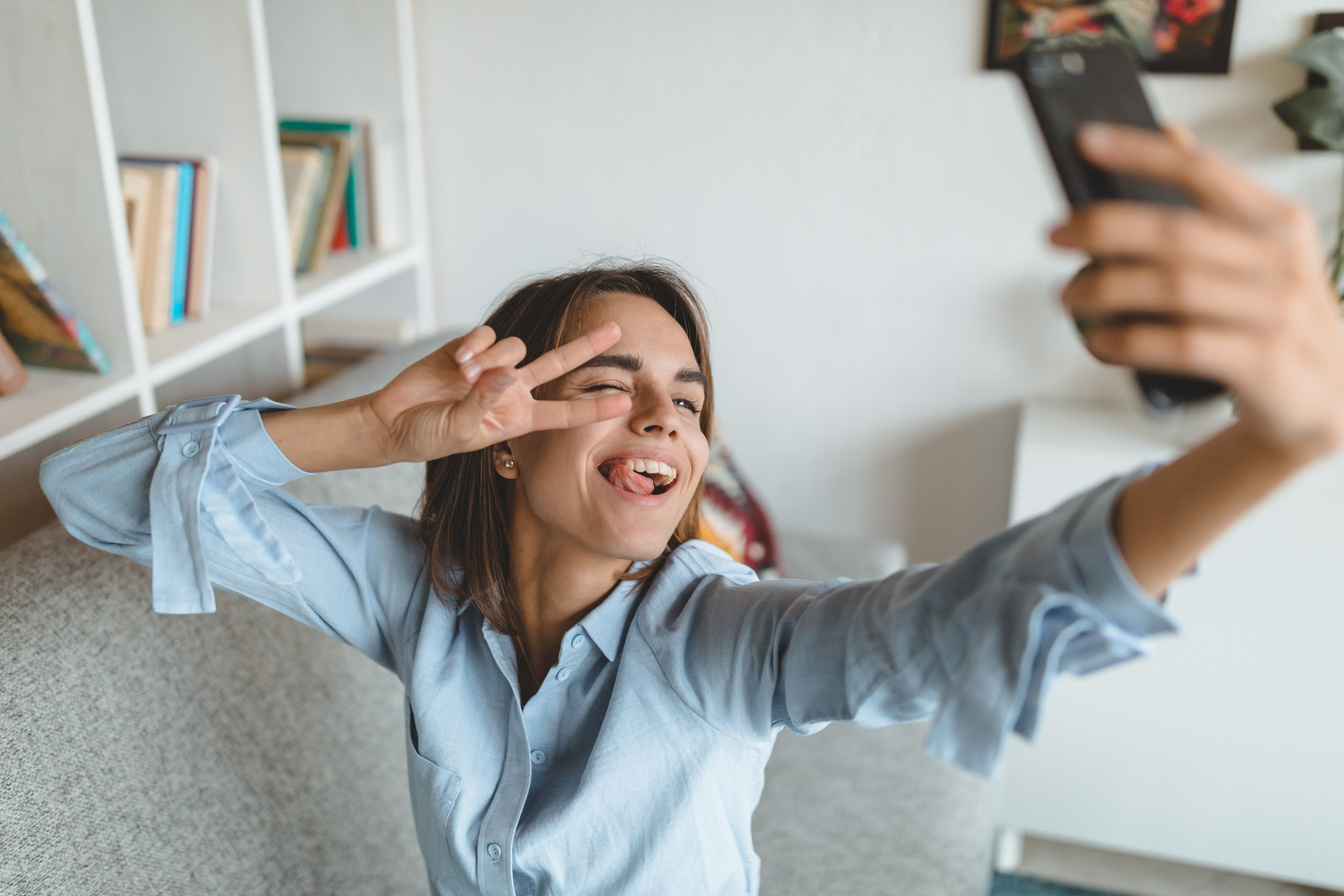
pixel 508 464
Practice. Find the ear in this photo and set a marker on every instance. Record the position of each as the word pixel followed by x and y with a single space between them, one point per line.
pixel 503 460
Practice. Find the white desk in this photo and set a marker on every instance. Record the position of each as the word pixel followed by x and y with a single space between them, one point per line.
pixel 1225 747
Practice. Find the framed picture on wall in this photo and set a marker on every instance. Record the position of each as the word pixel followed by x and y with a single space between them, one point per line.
pixel 1168 35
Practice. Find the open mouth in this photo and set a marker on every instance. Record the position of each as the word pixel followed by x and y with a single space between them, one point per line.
pixel 639 476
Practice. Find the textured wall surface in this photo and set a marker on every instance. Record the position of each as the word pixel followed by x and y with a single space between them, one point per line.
pixel 862 207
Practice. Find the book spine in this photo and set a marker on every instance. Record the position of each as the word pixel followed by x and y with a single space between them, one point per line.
pixel 200 268
pixel 182 244
pixel 13 375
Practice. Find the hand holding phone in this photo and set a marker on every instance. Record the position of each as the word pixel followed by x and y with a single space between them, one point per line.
pixel 1068 88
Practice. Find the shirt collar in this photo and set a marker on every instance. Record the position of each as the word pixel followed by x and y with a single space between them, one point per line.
pixel 605 623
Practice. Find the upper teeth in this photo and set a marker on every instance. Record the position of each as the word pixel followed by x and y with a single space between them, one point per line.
pixel 665 473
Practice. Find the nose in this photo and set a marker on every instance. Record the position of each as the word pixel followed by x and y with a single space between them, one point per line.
pixel 655 413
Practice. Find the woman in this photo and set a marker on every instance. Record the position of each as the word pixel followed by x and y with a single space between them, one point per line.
pixel 591 696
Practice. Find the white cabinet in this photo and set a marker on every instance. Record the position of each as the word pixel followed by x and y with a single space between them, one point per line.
pixel 1225 746
pixel 87 80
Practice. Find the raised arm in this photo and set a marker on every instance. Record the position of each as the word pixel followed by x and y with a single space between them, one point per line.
pixel 975 641
pixel 199 503
pixel 1242 285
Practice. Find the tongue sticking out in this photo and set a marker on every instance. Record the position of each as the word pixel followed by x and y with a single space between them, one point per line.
pixel 623 477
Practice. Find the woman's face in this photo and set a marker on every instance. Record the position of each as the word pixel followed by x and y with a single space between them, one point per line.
pixel 581 488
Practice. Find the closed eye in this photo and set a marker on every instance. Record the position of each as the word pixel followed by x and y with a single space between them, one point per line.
pixel 688 404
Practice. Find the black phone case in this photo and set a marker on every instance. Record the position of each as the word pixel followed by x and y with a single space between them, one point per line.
pixel 1068 87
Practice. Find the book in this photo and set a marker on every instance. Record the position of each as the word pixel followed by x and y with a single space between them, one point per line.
pixel 186 186
pixel 156 293
pixel 340 238
pixel 201 264
pixel 359 184
pixel 302 169
pixel 339 172
pixel 13 375
pixel 356 330
pixel 137 190
pixel 40 326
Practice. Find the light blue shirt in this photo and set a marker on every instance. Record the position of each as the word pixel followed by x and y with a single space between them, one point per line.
pixel 637 765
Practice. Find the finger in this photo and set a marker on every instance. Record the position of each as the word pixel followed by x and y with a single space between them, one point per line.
pixel 579 411
pixel 507 352
pixel 1181 136
pixel 472 344
pixel 465 417
pixel 1167 234
pixel 1212 181
pixel 1192 294
pixel 559 361
pixel 1224 355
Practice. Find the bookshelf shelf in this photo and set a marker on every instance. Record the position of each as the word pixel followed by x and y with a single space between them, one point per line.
pixel 54 400
pixel 220 333
pixel 343 276
pixel 89 80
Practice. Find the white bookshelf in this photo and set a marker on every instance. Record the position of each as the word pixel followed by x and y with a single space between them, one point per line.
pixel 87 80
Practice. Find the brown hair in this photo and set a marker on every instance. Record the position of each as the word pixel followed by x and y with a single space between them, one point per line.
pixel 464 521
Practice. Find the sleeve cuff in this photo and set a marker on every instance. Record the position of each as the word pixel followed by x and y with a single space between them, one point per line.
pixel 1101 570
pixel 260 463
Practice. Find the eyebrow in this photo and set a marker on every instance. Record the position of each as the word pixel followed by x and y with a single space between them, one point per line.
pixel 635 364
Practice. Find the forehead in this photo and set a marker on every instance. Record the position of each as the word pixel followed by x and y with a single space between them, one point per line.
pixel 645 325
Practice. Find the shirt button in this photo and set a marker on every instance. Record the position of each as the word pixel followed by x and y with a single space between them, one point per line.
pixel 190 449
pixel 494 851
pixel 538 757
pixel 578 641
pixel 562 674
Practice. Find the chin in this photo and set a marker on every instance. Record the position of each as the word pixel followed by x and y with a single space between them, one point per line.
pixel 642 549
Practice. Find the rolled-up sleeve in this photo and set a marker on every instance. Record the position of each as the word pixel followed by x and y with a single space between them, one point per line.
pixel 974 642
pixel 202 509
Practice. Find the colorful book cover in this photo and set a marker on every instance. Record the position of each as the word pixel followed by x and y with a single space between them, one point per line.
pixel 182 241
pixel 39 324
pixel 329 205
pixel 357 204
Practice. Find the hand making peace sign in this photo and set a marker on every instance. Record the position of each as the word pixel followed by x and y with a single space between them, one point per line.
pixel 1242 278
pixel 469 394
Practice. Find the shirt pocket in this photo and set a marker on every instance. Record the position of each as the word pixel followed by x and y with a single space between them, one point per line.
pixel 434 791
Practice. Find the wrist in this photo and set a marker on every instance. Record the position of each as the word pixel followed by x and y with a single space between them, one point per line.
pixel 340 436
pixel 1285 456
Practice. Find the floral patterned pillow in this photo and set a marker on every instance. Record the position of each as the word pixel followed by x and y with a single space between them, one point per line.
pixel 732 518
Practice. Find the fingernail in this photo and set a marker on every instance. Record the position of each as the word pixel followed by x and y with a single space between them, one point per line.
pixel 464 355
pixel 503 381
pixel 1096 136
pixel 471 371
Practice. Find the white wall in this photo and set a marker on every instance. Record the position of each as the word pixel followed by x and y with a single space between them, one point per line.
pixel 863 209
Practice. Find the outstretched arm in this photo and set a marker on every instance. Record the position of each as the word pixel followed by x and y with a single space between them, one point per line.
pixel 1242 283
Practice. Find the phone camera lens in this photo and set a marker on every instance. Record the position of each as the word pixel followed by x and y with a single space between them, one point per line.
pixel 1073 63
pixel 1043 69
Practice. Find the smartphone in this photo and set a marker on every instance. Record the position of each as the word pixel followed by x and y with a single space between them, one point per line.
pixel 1069 87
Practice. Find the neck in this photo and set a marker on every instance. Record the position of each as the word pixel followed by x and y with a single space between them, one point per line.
pixel 556 585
